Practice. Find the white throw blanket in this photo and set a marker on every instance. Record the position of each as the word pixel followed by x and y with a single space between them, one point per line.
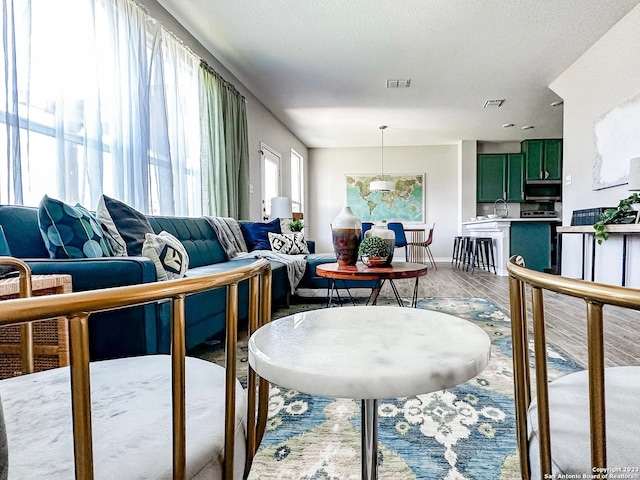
pixel 296 264
pixel 229 234
pixel 232 241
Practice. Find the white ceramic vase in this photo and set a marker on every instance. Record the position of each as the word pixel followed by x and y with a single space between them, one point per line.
pixel 389 236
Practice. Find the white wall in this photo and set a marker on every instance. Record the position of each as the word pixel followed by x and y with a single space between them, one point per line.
pixel 603 78
pixel 262 124
pixel 327 189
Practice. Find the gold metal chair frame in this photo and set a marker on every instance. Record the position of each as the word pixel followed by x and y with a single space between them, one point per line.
pixel 77 307
pixel 595 295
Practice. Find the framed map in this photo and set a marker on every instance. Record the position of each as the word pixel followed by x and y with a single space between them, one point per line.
pixel 405 204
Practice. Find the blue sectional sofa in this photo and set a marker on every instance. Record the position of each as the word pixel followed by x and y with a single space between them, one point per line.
pixel 145 329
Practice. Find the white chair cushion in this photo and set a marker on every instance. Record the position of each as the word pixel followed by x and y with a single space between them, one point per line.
pixel 131 421
pixel 569 419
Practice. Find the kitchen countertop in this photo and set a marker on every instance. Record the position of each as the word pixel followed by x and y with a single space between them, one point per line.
pixel 509 220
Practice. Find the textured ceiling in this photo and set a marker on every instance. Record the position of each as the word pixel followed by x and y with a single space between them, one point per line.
pixel 321 66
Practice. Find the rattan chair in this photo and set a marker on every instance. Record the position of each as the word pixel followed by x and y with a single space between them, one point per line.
pixel 584 424
pixel 152 416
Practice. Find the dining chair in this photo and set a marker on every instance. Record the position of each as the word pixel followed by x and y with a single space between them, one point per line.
pixel 401 238
pixel 366 226
pixel 427 243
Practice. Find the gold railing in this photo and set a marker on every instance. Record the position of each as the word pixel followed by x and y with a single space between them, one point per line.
pixel 77 307
pixel 595 295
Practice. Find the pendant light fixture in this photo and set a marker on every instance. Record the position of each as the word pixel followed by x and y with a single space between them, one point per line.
pixel 382 185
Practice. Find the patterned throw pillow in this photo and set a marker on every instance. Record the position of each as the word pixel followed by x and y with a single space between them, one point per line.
pixel 71 232
pixel 168 255
pixel 288 243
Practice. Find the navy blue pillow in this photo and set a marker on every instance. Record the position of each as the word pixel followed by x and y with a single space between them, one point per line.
pixel 256 234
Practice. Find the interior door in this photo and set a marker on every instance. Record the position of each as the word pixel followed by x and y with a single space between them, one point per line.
pixel 270 177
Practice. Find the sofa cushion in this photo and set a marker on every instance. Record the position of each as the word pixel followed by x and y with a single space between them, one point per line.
pixel 20 225
pixel 167 254
pixel 71 232
pixel 256 233
pixel 125 225
pixel 4 252
pixel 131 421
pixel 569 420
pixel 197 236
pixel 288 243
pixel 4 449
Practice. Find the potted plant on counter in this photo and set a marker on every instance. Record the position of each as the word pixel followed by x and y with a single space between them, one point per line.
pixel 375 252
pixel 625 212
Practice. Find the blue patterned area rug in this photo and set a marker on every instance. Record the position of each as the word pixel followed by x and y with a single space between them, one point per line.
pixel 467 432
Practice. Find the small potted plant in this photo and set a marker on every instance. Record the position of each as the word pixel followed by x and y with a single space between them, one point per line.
pixel 625 212
pixel 375 252
pixel 296 225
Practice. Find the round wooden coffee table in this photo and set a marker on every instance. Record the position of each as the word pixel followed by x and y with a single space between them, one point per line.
pixel 360 272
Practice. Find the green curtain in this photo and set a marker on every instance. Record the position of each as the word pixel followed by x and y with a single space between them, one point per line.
pixel 224 152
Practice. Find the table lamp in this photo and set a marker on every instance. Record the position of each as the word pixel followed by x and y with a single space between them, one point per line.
pixel 281 207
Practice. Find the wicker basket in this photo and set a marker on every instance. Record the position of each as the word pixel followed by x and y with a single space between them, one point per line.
pixel 50 337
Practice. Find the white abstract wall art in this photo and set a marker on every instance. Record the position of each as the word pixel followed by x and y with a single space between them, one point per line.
pixel 617 140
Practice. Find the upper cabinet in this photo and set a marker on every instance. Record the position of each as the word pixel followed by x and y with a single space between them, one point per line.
pixel 543 159
pixel 515 177
pixel 500 176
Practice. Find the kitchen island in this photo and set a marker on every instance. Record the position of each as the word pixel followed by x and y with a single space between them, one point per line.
pixel 533 238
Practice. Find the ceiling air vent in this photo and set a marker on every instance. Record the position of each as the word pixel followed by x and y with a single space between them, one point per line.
pixel 493 103
pixel 398 83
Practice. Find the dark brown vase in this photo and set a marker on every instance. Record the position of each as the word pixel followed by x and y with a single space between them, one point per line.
pixel 346 232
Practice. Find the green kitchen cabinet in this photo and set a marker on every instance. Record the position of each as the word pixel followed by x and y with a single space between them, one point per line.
pixel 492 175
pixel 515 177
pixel 500 176
pixel 532 240
pixel 543 159
pixel 553 159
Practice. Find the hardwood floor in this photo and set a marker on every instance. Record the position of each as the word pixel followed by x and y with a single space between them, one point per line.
pixel 566 316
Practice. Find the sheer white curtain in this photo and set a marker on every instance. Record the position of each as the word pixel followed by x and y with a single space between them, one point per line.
pixel 97 99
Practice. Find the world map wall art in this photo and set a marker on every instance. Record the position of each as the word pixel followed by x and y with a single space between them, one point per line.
pixel 405 204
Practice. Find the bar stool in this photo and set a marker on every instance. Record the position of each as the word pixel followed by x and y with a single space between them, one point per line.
pixel 482 251
pixel 457 249
pixel 467 252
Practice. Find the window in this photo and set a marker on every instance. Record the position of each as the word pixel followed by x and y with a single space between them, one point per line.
pixel 297 183
pixel 122 121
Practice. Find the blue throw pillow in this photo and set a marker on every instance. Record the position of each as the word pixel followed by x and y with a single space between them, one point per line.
pixel 256 234
pixel 71 232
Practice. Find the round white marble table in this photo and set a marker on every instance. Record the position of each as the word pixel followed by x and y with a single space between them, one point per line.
pixel 369 353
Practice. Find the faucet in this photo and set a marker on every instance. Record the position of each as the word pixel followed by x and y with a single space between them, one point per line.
pixel 506 208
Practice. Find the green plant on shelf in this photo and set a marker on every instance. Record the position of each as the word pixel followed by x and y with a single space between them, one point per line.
pixel 623 213
pixel 296 226
pixel 374 247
